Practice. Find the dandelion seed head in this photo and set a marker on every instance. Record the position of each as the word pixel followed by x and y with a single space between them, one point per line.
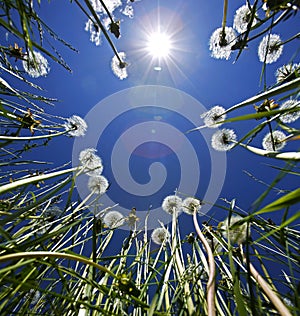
pixel 119 69
pixel 270 48
pixel 278 137
pixel 95 32
pixel 219 45
pixel 113 219
pixel 286 72
pixel 110 4
pixel 91 162
pixel 160 235
pixel 190 204
pixel 76 126
pixel 52 212
pixel 293 116
pixel 223 140
pixel 128 11
pixel 212 117
pixel 242 18
pixel 171 204
pixel 98 184
pixel 236 234
pixel 36 65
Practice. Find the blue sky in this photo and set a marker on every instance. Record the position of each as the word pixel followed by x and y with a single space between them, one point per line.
pixel 191 71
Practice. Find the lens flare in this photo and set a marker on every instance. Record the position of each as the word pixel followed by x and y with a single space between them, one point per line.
pixel 159 45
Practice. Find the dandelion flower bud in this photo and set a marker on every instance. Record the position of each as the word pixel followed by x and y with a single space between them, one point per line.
pixel 223 140
pixel 234 233
pixel 220 42
pixel 292 116
pixel 91 162
pixel 36 65
pixel 212 117
pixel 52 212
pixel 119 68
pixel 113 219
pixel 242 18
pixel 160 235
pixel 98 184
pixel 171 204
pixel 287 72
pixel 274 141
pixel 190 204
pixel 76 126
pixel 270 48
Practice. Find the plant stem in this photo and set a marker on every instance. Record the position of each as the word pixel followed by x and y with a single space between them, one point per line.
pixel 281 308
pixel 211 310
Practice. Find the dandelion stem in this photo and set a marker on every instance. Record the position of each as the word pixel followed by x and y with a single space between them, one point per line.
pixel 278 304
pixel 24 138
pixel 224 15
pixel 211 310
pixel 30 180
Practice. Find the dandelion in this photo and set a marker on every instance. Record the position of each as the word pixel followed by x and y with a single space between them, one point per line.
pixel 94 31
pixel 223 140
pixel 76 126
pixel 113 219
pixel 119 68
pixel 160 235
pixel 111 5
pixel 212 117
pixel 234 233
pixel 91 162
pixel 52 212
pixel 190 204
pixel 292 116
pixel 98 184
pixel 287 72
pixel 242 18
pixel 128 11
pixel 36 65
pixel 171 204
pixel 220 42
pixel 274 141
pixel 270 48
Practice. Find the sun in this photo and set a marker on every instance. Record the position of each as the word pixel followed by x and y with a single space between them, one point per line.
pixel 159 45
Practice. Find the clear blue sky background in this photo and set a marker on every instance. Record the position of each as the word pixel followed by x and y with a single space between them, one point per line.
pixel 193 71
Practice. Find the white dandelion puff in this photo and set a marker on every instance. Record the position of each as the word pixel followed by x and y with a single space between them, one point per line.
pixel 160 235
pixel 76 126
pixel 128 11
pixel 190 204
pixel 212 117
pixel 242 18
pixel 119 68
pixel 287 72
pixel 95 32
pixel 270 48
pixel 223 140
pixel 220 42
pixel 113 219
pixel 98 184
pixel 52 212
pixel 111 5
pixel 234 233
pixel 274 141
pixel 292 116
pixel 171 204
pixel 36 65
pixel 91 162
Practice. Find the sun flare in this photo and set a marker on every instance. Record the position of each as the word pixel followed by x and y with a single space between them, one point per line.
pixel 159 45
